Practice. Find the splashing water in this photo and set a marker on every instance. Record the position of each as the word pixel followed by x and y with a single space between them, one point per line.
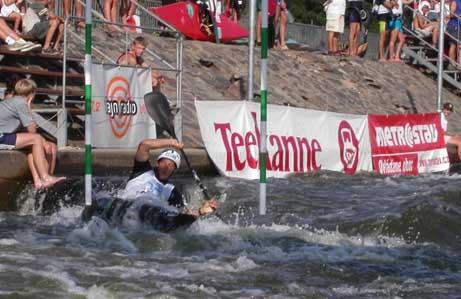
pixel 325 235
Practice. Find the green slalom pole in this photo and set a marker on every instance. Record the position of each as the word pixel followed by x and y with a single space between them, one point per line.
pixel 263 145
pixel 88 139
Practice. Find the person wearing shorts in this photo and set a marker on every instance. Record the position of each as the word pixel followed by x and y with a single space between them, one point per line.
pixel 7 141
pixel 15 115
pixel 383 10
pixel 396 28
pixel 335 10
pixel 353 16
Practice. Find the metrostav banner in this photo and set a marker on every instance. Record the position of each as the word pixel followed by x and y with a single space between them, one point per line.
pixel 119 116
pixel 407 143
pixel 298 140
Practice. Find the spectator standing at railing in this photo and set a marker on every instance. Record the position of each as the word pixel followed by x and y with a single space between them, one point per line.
pixel 281 18
pixel 353 16
pixel 382 8
pixel 134 57
pixel 110 14
pixel 335 10
pixel 396 28
pixel 67 6
pixel 16 115
pixel 453 29
pixel 127 10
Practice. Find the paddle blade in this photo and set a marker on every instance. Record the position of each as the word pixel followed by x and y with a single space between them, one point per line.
pixel 159 110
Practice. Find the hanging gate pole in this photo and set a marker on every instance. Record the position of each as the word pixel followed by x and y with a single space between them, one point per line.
pixel 88 92
pixel 263 146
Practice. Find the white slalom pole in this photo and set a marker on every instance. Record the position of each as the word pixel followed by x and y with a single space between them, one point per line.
pixel 263 146
pixel 88 92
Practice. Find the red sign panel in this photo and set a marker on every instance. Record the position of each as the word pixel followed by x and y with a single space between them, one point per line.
pixel 402 144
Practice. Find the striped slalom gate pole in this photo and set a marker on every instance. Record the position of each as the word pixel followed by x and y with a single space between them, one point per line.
pixel 88 139
pixel 263 146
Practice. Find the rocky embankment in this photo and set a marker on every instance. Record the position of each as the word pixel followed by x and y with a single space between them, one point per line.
pixel 301 79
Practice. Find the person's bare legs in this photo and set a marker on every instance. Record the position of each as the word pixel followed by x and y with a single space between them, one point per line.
pixel 17 21
pixel 382 45
pixel 24 140
pixel 354 30
pixel 435 35
pixel 35 177
pixel 6 31
pixel 66 7
pixel 51 152
pixel 258 28
pixel 54 23
pixel 57 43
pixel 110 13
pixel 283 29
pixel 400 47
pixel 393 39
pixel 330 42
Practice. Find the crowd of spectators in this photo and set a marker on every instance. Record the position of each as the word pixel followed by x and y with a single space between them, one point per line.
pixel 423 22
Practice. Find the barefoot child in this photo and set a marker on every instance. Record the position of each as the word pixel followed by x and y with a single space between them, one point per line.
pixel 15 114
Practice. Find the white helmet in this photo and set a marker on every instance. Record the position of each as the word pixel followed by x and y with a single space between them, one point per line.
pixel 172 155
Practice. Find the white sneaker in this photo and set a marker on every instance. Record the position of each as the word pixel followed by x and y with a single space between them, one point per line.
pixel 30 46
pixel 18 45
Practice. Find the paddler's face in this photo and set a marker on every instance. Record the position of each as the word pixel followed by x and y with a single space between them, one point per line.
pixel 166 168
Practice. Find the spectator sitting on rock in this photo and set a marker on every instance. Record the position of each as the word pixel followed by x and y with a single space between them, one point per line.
pixel 10 9
pixel 15 114
pixel 47 27
pixel 449 138
pixel 13 40
pixel 134 57
pixel 423 27
pixel 335 10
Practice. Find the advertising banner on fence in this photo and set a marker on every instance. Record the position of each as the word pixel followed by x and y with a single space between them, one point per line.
pixel 298 140
pixel 119 117
pixel 407 144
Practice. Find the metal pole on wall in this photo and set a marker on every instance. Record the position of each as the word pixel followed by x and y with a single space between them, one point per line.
pixel 263 146
pixel 440 56
pixel 88 139
pixel 251 47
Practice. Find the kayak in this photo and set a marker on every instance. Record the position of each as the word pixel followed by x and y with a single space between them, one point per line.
pixel 146 211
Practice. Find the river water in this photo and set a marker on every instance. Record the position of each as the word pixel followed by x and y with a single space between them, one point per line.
pixel 325 235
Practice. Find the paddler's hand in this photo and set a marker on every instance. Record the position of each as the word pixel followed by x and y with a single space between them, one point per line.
pixel 208 207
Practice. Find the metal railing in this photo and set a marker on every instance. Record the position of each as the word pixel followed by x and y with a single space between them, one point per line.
pixel 152 26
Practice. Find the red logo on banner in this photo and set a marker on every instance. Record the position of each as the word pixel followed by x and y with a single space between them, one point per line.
pixel 120 106
pixel 348 147
pixel 407 144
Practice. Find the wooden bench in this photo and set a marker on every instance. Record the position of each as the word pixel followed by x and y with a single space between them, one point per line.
pixel 38 72
pixel 4 51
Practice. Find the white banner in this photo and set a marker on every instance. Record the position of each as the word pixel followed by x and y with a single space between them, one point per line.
pixel 298 140
pixel 119 117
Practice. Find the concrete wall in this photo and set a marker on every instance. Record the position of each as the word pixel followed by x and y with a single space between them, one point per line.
pixel 316 37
